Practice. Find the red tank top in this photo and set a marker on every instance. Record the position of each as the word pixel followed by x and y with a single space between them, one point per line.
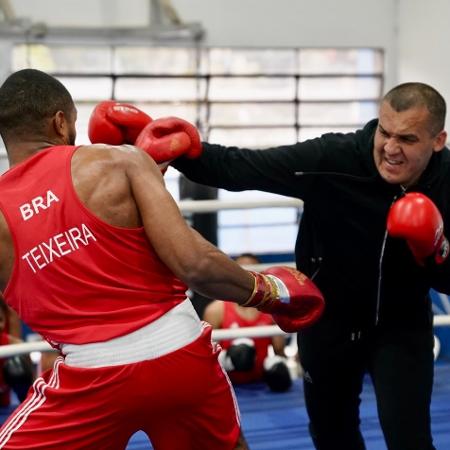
pixel 231 319
pixel 77 279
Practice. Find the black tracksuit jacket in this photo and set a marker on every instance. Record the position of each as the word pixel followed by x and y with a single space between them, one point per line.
pixel 368 279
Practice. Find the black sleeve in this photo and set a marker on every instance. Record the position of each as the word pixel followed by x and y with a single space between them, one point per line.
pixel 271 170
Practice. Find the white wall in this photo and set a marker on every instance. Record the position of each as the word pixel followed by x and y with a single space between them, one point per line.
pixel 424 45
pixel 87 13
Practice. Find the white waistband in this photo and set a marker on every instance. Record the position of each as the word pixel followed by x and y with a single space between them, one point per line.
pixel 175 329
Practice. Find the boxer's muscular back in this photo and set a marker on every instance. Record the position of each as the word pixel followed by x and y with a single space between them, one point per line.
pixel 102 185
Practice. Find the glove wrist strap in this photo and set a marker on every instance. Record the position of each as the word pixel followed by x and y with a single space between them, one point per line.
pixel 264 293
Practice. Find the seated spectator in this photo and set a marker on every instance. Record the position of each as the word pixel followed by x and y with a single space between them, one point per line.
pixel 247 360
pixel 16 372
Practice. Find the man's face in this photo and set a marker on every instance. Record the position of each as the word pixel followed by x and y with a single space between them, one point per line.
pixel 404 144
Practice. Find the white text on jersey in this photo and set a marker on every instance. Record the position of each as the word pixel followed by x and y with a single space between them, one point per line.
pixel 57 246
pixel 28 210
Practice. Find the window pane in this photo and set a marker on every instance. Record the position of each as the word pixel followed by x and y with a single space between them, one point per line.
pixel 159 89
pixel 252 114
pixel 220 61
pixel 314 132
pixel 340 61
pixel 63 58
pixel 88 88
pixel 339 88
pixel 171 181
pixel 84 112
pixel 187 111
pixel 260 88
pixel 337 113
pixel 253 138
pixel 257 216
pixel 264 239
pixel 155 60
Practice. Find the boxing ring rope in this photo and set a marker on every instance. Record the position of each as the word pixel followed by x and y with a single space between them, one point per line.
pixel 204 206
pixel 218 335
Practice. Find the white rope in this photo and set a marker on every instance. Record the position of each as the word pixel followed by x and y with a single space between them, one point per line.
pixel 252 332
pixel 218 335
pixel 24 348
pixel 441 320
pixel 204 206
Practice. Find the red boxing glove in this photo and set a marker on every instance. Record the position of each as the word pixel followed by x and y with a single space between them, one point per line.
pixel 168 138
pixel 291 297
pixel 416 219
pixel 116 123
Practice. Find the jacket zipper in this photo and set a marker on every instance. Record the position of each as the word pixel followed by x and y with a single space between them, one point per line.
pixel 380 276
pixel 380 264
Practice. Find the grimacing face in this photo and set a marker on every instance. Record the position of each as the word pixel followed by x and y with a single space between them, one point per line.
pixel 403 144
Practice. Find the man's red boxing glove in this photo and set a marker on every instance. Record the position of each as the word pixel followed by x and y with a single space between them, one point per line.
pixel 168 138
pixel 116 123
pixel 291 297
pixel 416 219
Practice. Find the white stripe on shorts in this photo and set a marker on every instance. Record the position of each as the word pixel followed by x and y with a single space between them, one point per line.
pixel 30 404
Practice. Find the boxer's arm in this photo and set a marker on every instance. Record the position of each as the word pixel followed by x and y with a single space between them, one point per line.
pixel 292 299
pixel 194 260
pixel 123 186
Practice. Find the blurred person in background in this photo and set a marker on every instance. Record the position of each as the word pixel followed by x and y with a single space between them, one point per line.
pixel 16 372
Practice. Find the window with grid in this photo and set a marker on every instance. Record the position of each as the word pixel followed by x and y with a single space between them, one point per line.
pixel 255 98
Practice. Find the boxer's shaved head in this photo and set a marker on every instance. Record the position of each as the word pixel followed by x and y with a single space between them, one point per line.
pixel 28 99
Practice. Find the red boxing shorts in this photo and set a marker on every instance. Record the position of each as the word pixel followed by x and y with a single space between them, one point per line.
pixel 183 400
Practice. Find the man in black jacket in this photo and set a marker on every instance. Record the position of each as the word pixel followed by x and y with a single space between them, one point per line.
pixel 375 281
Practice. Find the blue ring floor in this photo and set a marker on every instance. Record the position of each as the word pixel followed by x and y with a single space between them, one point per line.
pixel 279 422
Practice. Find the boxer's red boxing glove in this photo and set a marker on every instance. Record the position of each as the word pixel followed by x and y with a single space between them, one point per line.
pixel 116 123
pixel 416 219
pixel 168 138
pixel 291 297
